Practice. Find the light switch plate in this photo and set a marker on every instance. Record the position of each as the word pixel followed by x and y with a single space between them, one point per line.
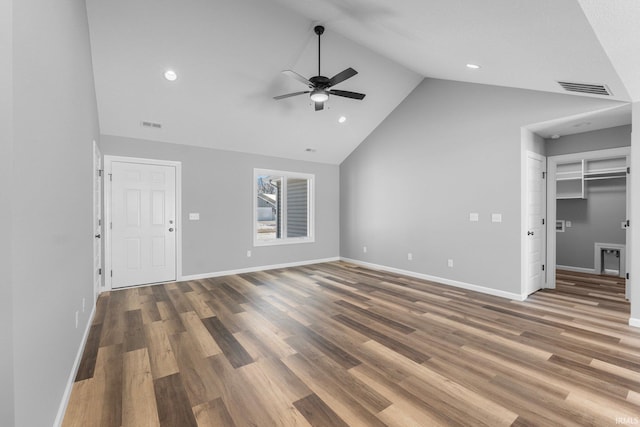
pixel 474 217
pixel 567 223
pixel 194 216
pixel 496 217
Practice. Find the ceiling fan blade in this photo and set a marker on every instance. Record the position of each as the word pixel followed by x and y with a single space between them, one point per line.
pixel 291 94
pixel 319 106
pixel 342 76
pixel 347 94
pixel 298 77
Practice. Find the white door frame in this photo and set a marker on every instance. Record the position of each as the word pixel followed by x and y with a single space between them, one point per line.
pixel 108 160
pixel 552 165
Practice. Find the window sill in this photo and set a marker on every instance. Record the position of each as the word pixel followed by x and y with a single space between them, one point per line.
pixel 278 242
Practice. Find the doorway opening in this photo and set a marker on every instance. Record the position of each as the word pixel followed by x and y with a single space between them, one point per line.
pixel 588 200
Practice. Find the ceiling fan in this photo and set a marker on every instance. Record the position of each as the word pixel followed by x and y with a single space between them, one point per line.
pixel 319 86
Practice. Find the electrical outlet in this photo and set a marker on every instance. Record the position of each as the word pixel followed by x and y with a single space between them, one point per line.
pixel 567 224
pixel 76 320
pixel 248 254
pixel 364 249
pixel 410 256
pixel 496 217
pixel 450 263
pixel 474 217
pixel 194 216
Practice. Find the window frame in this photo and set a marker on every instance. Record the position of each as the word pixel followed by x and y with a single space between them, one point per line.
pixel 310 238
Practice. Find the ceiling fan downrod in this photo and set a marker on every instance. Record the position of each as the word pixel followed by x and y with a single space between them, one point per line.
pixel 319 30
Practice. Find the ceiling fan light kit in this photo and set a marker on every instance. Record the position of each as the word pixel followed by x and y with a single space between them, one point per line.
pixel 319 95
pixel 319 86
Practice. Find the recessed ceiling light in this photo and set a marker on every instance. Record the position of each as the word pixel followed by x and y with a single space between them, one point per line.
pixel 473 66
pixel 170 75
pixel 342 119
pixel 555 136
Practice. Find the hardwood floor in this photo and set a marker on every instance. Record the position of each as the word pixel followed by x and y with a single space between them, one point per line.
pixel 339 345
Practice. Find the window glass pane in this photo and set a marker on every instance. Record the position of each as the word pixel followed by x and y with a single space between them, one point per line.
pixel 297 207
pixel 268 205
pixel 283 207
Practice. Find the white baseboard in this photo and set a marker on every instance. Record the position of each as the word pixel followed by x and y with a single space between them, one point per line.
pixel 576 269
pixel 74 371
pixel 449 282
pixel 634 322
pixel 257 268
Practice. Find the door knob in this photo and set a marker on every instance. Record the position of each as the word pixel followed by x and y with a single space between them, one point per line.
pixel 97 236
pixel 171 229
pixel 529 233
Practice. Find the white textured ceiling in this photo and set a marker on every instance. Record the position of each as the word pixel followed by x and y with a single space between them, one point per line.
pixel 229 53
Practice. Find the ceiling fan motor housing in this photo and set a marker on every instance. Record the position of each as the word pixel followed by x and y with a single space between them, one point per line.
pixel 320 82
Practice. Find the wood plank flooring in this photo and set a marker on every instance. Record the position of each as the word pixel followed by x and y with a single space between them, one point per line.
pixel 340 345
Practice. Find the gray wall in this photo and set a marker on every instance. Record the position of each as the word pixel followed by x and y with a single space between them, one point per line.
pixel 534 142
pixel 619 136
pixel 54 123
pixel 595 219
pixel 219 185
pixel 6 147
pixel 448 150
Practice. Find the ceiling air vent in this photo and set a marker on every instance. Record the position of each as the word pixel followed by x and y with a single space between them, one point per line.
pixel 585 88
pixel 151 125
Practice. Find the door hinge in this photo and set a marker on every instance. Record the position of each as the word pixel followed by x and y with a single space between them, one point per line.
pixel 111 273
pixel 99 272
pixel 627 276
pixel 542 267
pixel 100 171
pixel 628 223
pixel 629 169
pixel 110 177
pixel 544 175
pixel 110 226
pixel 542 221
pixel 99 222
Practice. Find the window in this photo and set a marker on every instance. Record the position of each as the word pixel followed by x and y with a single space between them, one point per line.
pixel 283 207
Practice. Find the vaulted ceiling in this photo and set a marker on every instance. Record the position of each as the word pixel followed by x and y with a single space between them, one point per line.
pixel 229 54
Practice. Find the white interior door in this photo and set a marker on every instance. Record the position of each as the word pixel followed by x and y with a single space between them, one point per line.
pixel 97 220
pixel 143 224
pixel 536 209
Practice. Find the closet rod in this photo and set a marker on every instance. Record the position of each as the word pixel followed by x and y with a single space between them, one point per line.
pixel 603 177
